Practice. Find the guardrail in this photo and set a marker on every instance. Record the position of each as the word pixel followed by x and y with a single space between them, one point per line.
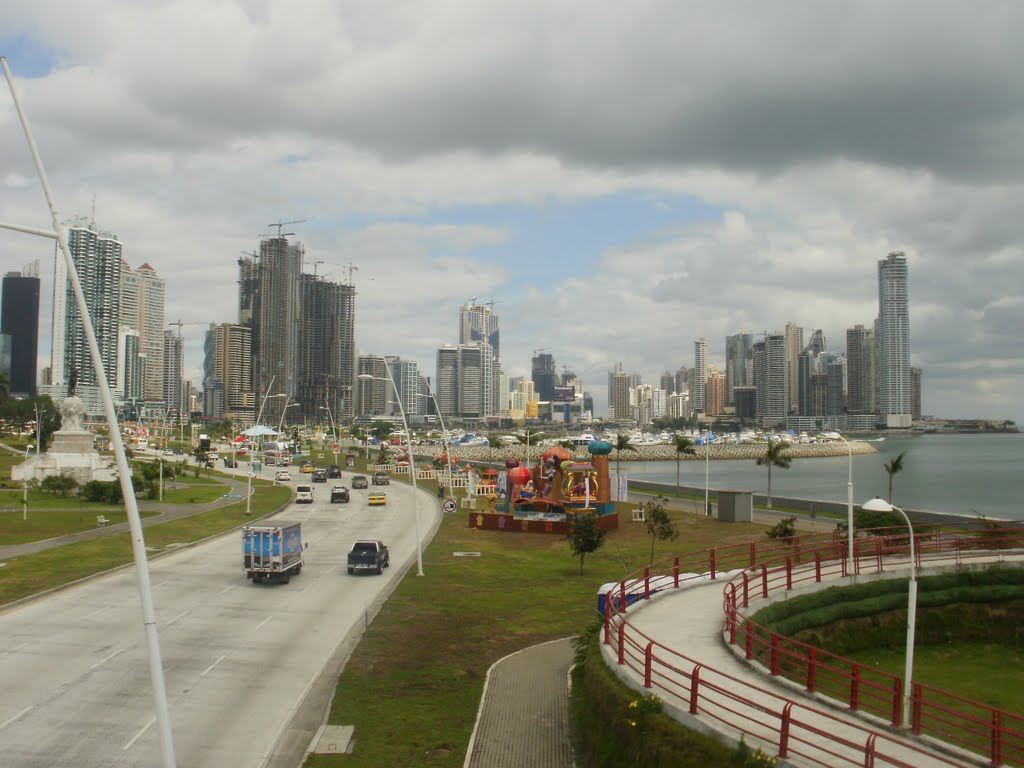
pixel 796 728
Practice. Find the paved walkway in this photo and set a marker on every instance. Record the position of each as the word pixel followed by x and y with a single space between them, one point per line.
pixel 523 721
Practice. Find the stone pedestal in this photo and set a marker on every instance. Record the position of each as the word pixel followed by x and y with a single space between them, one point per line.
pixel 72 452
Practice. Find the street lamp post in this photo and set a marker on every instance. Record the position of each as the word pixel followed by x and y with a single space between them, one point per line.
pixel 156 674
pixel 248 483
pixel 412 464
pixel 447 441
pixel 880 505
pixel 24 488
pixel 849 501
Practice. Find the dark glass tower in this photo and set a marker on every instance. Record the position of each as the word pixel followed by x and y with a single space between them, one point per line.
pixel 19 319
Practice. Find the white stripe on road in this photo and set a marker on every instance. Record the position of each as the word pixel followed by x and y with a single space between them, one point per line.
pixel 138 735
pixel 183 613
pixel 15 648
pixel 210 668
pixel 263 622
pixel 18 716
pixel 226 589
pixel 98 610
pixel 104 661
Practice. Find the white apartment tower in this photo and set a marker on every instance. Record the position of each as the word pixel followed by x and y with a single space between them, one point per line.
pixel 892 338
pixel 699 378
pixel 97 259
pixel 143 294
pixel 794 346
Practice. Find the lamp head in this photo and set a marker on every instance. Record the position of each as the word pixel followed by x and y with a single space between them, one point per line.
pixel 877 504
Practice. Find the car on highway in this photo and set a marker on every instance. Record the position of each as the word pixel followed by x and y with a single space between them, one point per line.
pixel 381 478
pixel 377 499
pixel 368 555
pixel 283 476
pixel 304 494
pixel 307 467
pixel 334 471
pixel 340 495
pixel 230 462
pixel 359 481
pixel 319 476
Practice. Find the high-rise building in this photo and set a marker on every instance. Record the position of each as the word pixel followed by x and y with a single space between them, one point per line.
pixel 682 384
pixel 97 259
pixel 770 366
pixel 860 370
pixel 668 382
pixel 326 358
pixel 19 320
pixel 716 392
pixel 794 346
pixel 372 394
pixel 738 363
pixel 699 380
pixel 478 323
pixel 892 337
pixel 131 367
pixel 543 375
pixel 447 387
pixel 227 373
pixel 174 391
pixel 835 379
pixel 915 393
pixel 142 310
pixel 269 302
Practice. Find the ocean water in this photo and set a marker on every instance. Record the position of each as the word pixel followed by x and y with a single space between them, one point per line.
pixel 980 474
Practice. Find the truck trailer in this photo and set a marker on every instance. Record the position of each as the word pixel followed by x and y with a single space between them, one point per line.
pixel 272 552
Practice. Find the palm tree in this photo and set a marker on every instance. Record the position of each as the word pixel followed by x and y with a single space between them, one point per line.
pixel 894 467
pixel 684 447
pixel 621 444
pixel 773 458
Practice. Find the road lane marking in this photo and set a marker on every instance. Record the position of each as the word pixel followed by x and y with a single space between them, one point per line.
pixel 138 735
pixel 226 589
pixel 98 610
pixel 104 661
pixel 161 584
pixel 317 579
pixel 18 716
pixel 263 622
pixel 183 613
pixel 210 668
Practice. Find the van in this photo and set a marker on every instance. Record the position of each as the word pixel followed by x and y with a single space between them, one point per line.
pixel 304 494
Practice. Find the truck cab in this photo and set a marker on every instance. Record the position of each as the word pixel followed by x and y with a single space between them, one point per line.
pixel 368 555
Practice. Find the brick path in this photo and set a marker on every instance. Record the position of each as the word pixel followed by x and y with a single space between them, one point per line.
pixel 523 720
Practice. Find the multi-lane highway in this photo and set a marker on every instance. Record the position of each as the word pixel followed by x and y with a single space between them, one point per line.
pixel 239 659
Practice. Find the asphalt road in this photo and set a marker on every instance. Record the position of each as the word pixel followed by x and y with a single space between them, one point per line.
pixel 240 660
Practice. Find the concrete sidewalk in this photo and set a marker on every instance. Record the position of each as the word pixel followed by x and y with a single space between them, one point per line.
pixel 523 720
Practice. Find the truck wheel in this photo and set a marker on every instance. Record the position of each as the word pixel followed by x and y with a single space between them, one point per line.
pixel 286 578
pixel 387 563
pixel 351 571
pixel 380 569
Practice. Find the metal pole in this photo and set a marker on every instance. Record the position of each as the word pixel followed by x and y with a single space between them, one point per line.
pixel 248 479
pixel 908 668
pixel 412 471
pixel 447 443
pixel 707 463
pixel 849 509
pixel 156 673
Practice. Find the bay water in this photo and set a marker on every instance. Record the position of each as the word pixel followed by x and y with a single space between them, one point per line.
pixel 963 474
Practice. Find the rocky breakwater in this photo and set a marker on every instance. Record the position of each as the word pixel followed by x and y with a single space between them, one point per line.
pixel 668 452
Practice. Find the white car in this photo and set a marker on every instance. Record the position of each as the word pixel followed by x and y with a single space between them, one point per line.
pixel 304 494
pixel 283 475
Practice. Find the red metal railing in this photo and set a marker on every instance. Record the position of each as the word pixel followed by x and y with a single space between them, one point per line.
pixel 758 569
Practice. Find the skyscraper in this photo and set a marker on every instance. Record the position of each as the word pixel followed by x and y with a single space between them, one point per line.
pixel 227 373
pixel 97 259
pixel 19 320
pixel 142 310
pixel 543 370
pixel 892 335
pixel 174 393
pixel 269 302
pixel 699 379
pixel 794 346
pixel 770 380
pixel 860 370
pixel 326 356
pixel 738 363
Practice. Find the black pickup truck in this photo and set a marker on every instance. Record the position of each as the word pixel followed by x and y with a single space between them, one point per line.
pixel 367 555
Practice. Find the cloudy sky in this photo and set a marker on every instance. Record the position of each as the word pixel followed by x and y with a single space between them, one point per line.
pixel 619 179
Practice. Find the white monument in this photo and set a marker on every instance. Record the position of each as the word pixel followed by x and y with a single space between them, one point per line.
pixel 72 453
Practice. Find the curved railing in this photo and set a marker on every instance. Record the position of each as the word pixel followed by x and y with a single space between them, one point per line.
pixel 796 727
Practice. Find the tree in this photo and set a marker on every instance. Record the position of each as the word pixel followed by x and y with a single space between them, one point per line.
pixel 621 444
pixel 774 457
pixel 61 484
pixel 894 467
pixel 660 525
pixel 684 447
pixel 584 536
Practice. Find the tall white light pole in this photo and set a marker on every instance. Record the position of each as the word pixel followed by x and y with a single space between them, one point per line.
pixel 24 488
pixel 849 500
pixel 248 482
pixel 412 461
pixel 447 442
pixel 156 672
pixel 880 505
pixel 707 465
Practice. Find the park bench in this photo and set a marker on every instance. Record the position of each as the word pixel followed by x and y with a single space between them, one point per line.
pixel 101 521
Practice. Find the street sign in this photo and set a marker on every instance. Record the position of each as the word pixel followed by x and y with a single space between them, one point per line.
pixel 335 447
pixel 233 496
pixel 449 505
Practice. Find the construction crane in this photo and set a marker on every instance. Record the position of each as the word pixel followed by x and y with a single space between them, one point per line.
pixel 281 224
pixel 351 268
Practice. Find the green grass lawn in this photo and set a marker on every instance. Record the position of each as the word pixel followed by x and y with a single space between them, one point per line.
pixel 987 673
pixel 49 523
pixel 414 683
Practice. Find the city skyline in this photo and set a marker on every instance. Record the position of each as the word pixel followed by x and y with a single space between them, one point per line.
pixel 615 211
